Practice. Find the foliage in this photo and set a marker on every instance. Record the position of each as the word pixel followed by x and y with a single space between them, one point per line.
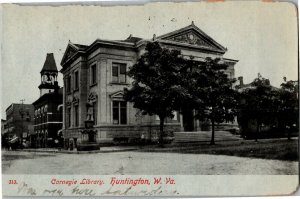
pixel 214 97
pixel 155 89
pixel 261 102
pixel 164 81
pixel 288 108
pixel 270 105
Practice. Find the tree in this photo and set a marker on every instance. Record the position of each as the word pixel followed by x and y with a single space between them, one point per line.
pixel 155 88
pixel 259 101
pixel 288 109
pixel 214 98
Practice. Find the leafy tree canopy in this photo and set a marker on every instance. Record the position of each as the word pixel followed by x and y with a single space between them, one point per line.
pixel 214 97
pixel 155 89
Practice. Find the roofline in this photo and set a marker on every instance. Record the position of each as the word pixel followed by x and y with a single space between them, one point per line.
pixel 110 42
pixel 192 26
pixel 190 46
pixel 117 43
pixel 48 71
pixel 16 104
pixel 95 43
pixel 9 107
pixel 233 60
pixel 184 45
pixel 43 96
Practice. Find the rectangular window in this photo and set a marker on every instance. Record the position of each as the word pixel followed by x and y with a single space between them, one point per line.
pixel 68 117
pixel 69 84
pixel 119 112
pixel 93 74
pixel 123 112
pixel 76 114
pixel 119 73
pixel 76 80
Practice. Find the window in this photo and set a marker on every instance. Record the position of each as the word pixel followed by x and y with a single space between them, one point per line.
pixel 119 73
pixel 119 112
pixel 76 114
pixel 28 117
pixel 76 80
pixel 93 74
pixel 68 117
pixel 175 116
pixel 69 84
pixel 45 118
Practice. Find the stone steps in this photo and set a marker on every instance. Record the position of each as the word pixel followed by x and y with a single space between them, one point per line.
pixel 204 136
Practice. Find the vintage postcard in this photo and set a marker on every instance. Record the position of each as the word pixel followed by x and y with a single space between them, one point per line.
pixel 149 99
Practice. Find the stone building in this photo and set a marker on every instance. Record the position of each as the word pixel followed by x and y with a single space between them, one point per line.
pixel 47 113
pixel 19 121
pixel 96 74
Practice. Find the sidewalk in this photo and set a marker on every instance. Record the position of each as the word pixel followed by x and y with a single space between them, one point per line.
pixel 102 150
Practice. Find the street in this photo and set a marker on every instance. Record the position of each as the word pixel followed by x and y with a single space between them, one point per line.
pixel 143 163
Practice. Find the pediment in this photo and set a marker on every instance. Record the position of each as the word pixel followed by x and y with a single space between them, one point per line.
pixel 92 97
pixel 75 100
pixel 189 38
pixel 192 35
pixel 70 52
pixel 117 95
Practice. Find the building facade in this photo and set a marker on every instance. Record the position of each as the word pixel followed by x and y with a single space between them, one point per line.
pixel 47 109
pixel 3 126
pixel 95 76
pixel 19 122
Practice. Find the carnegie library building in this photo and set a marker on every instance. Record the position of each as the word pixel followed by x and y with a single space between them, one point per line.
pixel 95 76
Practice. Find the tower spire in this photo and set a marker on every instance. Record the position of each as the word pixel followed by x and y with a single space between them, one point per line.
pixel 49 74
pixel 49 65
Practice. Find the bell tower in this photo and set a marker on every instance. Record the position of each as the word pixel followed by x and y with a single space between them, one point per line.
pixel 49 74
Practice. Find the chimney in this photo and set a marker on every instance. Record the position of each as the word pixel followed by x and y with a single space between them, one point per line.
pixel 241 80
pixel 154 37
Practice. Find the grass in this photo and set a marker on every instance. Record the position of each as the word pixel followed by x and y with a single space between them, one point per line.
pixel 278 149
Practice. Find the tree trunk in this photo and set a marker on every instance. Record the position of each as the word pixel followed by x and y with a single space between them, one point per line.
pixel 161 131
pixel 212 141
pixel 257 130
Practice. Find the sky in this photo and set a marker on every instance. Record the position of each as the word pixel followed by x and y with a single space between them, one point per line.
pixel 261 35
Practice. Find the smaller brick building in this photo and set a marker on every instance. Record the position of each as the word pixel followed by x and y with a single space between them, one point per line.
pixel 47 112
pixel 19 121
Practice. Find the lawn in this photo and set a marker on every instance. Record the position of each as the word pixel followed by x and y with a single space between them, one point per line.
pixel 278 149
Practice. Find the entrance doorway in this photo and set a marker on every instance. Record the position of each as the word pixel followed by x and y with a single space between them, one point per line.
pixel 188 120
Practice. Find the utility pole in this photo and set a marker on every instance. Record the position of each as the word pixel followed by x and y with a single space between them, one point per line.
pixel 22 118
